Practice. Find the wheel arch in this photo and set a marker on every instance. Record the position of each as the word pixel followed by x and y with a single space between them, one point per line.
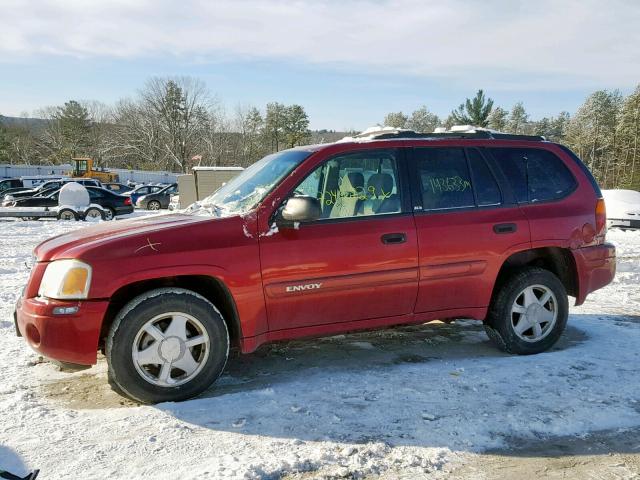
pixel 557 260
pixel 213 289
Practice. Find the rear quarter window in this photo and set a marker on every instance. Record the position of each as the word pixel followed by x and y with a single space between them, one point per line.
pixel 536 175
pixel 584 168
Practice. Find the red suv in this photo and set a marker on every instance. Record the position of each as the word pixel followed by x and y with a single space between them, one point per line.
pixel 366 233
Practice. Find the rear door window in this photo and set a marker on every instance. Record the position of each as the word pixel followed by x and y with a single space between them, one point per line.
pixel 444 176
pixel 536 175
pixel 484 183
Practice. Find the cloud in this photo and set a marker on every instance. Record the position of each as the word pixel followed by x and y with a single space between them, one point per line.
pixel 511 44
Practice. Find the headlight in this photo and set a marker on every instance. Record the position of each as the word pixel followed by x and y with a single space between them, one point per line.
pixel 66 280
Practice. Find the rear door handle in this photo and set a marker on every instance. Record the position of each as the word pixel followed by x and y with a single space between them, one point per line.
pixel 392 238
pixel 505 228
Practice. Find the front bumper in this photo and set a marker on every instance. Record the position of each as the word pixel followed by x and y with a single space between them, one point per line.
pixel 623 223
pixel 71 338
pixel 596 267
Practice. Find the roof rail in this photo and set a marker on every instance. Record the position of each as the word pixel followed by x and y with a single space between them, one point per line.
pixel 460 132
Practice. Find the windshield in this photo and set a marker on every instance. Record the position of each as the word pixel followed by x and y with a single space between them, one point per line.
pixel 248 189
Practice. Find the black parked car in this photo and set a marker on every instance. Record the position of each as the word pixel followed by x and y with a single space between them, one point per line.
pixel 10 184
pixel 112 203
pixel 158 200
pixel 50 186
pixel 47 198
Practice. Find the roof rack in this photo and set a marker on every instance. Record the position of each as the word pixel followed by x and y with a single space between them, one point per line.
pixel 457 131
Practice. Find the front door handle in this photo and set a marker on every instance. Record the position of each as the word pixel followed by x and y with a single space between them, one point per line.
pixel 505 228
pixel 393 238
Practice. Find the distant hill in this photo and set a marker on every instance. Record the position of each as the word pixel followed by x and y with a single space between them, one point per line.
pixel 30 123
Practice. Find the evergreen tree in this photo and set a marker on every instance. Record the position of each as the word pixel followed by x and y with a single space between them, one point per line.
pixel 274 125
pixel 474 111
pixel 592 133
pixel 518 119
pixel 552 128
pixel 296 127
pixel 498 119
pixel 559 127
pixel 449 122
pixel 5 145
pixel 396 120
pixel 422 120
pixel 253 126
pixel 629 145
pixel 74 128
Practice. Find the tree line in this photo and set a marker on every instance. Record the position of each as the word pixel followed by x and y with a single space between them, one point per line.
pixel 171 124
pixel 604 132
pixel 175 123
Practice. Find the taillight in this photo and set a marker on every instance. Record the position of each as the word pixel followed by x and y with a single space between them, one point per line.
pixel 127 201
pixel 601 218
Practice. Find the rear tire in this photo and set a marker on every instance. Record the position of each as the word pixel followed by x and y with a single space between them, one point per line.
pixel 153 205
pixel 528 313
pixel 67 214
pixel 109 213
pixel 94 213
pixel 166 345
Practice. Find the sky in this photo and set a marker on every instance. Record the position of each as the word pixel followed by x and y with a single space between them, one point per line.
pixel 348 62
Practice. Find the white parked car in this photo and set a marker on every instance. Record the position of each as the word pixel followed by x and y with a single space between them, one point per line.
pixel 623 208
pixel 174 203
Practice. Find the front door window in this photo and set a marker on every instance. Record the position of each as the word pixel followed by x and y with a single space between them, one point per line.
pixel 356 185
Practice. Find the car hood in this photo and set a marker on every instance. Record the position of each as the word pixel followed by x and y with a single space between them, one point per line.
pixel 622 204
pixel 105 232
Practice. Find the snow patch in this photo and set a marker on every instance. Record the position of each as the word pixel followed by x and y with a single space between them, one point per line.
pixel 333 410
pixel 272 231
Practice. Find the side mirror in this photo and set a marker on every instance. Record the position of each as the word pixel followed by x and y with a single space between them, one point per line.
pixel 299 210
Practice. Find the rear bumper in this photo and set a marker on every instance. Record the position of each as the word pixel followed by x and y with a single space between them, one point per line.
pixel 596 267
pixel 124 210
pixel 71 338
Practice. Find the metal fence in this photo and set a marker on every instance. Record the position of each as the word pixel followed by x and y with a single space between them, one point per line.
pixel 143 176
pixel 12 171
pixel 136 176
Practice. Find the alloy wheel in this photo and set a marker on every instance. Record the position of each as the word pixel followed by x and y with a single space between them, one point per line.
pixel 534 313
pixel 170 349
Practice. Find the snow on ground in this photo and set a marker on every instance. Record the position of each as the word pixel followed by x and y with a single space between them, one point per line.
pixel 402 403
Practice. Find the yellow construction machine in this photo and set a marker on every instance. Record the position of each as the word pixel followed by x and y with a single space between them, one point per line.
pixel 83 168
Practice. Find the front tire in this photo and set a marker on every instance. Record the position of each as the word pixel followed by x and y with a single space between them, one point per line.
pixel 528 313
pixel 154 205
pixel 166 345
